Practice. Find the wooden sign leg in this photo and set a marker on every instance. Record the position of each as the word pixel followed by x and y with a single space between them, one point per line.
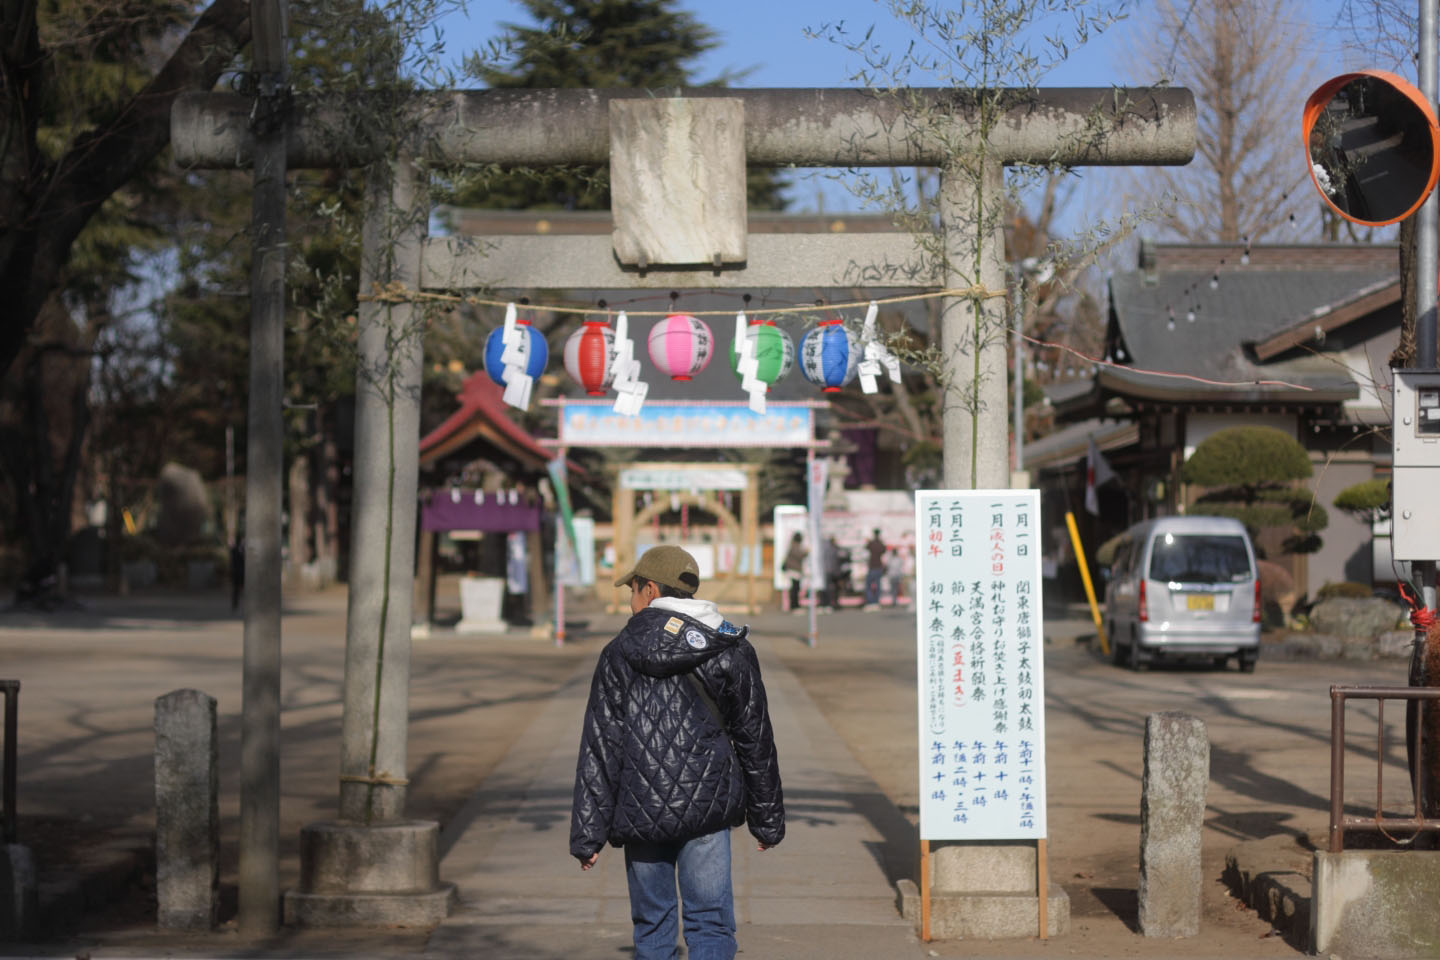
pixel 1043 882
pixel 925 890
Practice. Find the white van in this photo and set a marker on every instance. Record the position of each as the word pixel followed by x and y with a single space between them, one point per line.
pixel 1184 587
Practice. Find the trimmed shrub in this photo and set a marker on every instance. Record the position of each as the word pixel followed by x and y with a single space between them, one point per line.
pixel 1366 501
pixel 1246 457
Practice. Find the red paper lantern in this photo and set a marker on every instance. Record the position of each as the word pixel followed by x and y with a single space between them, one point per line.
pixel 590 357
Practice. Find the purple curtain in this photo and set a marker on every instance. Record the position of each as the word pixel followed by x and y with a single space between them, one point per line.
pixel 862 462
pixel 493 514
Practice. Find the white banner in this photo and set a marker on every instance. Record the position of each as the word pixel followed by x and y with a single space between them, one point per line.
pixel 819 477
pixel 572 569
pixel 682 478
pixel 789 519
pixel 980 635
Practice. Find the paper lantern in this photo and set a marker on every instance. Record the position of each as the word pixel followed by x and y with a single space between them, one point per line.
pixel 533 348
pixel 829 356
pixel 680 345
pixel 590 357
pixel 774 350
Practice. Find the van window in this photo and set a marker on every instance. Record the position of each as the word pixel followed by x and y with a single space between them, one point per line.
pixel 1199 558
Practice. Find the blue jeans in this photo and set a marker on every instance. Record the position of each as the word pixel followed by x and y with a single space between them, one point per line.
pixel 872 585
pixel 703 868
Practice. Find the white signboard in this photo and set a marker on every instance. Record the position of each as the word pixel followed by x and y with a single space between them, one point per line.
pixel 979 634
pixel 681 478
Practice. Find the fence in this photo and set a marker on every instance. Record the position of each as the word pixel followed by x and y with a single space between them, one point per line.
pixel 1339 821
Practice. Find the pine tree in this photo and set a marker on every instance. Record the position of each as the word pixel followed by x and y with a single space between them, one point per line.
pixel 645 44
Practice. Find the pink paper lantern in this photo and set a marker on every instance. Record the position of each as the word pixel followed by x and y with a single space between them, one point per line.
pixel 681 345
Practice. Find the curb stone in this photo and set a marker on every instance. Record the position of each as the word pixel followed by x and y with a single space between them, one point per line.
pixel 1272 876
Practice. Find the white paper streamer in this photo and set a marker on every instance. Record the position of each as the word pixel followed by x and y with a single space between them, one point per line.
pixel 875 354
pixel 630 391
pixel 514 358
pixel 748 364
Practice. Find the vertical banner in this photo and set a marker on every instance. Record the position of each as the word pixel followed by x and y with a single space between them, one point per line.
pixel 819 477
pixel 560 480
pixel 979 634
pixel 575 566
pixel 788 520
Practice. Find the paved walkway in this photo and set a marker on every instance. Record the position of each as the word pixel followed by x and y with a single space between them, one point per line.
pixel 824 892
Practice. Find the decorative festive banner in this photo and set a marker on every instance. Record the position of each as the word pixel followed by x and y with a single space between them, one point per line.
pixel 686 425
pixel 980 657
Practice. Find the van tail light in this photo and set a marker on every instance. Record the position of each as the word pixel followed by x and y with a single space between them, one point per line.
pixel 1256 617
pixel 1143 613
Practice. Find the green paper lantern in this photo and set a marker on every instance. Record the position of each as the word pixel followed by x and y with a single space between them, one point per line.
pixel 774 350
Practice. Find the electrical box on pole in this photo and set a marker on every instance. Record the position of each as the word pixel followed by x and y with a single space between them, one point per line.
pixel 1416 511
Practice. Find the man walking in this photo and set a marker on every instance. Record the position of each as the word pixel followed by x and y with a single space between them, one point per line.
pixel 874 569
pixel 676 748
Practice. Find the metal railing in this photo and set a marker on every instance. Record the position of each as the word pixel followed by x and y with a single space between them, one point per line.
pixel 11 689
pixel 1339 821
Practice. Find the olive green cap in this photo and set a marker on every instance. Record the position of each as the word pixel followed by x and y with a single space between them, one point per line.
pixel 666 564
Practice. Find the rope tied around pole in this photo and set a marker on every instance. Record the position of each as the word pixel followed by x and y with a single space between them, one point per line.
pixel 1422 617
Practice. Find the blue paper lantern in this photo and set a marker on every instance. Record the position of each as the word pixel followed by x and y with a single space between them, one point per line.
pixel 533 348
pixel 829 356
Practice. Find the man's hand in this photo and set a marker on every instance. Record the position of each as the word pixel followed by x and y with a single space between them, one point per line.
pixel 587 864
pixel 763 846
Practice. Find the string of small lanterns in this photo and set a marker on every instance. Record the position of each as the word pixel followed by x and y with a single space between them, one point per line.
pixel 600 358
pixel 681 345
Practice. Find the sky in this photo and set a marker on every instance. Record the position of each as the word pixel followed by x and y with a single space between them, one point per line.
pixel 773 44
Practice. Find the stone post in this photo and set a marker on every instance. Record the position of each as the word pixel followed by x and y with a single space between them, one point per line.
pixel 1172 814
pixel 360 869
pixel 982 890
pixel 187 811
pixel 973 331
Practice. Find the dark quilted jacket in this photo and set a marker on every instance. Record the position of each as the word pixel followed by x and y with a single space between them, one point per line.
pixel 654 765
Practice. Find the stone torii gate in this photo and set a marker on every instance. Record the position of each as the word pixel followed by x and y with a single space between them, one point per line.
pixel 678 167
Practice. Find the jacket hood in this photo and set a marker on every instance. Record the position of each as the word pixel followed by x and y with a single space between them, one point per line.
pixel 673 636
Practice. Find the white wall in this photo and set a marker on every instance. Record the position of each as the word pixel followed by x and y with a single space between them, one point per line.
pixel 1199 426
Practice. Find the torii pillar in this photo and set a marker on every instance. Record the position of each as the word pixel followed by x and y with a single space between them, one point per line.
pixel 822 128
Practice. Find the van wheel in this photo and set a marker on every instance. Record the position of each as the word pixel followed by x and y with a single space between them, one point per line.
pixel 1117 652
pixel 1221 662
pixel 1247 662
pixel 1136 660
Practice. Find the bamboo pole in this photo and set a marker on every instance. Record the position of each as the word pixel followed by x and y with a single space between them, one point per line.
pixel 1085 578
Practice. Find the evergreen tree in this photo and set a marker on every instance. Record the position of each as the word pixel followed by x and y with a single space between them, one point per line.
pixel 1252 474
pixel 647 44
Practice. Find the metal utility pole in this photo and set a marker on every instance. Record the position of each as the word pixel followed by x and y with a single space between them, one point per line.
pixel 259 886
pixel 1426 269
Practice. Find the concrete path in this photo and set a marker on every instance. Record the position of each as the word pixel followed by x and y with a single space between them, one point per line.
pixel 824 892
